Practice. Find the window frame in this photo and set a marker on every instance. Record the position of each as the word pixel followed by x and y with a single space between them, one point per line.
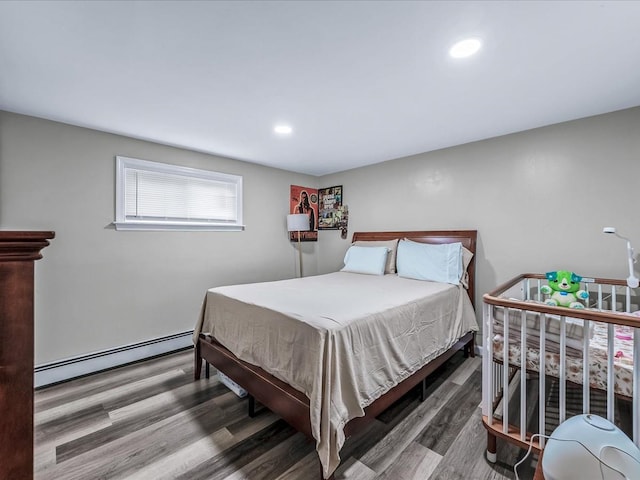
pixel 122 223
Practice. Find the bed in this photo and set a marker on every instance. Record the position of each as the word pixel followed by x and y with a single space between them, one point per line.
pixel 328 353
pixel 594 352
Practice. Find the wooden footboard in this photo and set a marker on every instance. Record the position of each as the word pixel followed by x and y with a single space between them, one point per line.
pixel 292 405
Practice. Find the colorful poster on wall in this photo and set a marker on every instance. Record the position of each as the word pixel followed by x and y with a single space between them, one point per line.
pixel 329 205
pixel 343 220
pixel 305 200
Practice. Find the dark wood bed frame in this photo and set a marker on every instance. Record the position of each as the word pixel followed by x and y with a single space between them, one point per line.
pixel 291 404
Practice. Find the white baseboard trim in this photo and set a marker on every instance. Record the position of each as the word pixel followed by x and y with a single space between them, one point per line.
pixel 63 370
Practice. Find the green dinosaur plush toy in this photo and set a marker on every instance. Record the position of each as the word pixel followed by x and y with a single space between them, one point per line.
pixel 564 288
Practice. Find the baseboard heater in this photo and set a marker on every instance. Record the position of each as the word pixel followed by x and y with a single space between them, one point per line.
pixel 63 370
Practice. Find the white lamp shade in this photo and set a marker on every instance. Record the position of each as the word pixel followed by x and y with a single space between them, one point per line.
pixel 298 222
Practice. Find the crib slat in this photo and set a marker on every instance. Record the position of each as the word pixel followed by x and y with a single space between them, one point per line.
pixel 586 404
pixel 542 388
pixel 487 360
pixel 563 361
pixel 505 376
pixel 588 299
pixel 496 385
pixel 600 296
pixel 636 386
pixel 494 377
pixel 610 372
pixel 539 288
pixel 610 354
pixel 523 375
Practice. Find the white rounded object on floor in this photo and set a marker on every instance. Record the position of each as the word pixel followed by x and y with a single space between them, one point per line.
pixel 590 447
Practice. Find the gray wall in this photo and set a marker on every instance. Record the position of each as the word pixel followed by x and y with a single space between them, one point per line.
pixel 539 199
pixel 98 288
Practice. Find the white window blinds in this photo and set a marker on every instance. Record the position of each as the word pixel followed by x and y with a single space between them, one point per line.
pixel 154 195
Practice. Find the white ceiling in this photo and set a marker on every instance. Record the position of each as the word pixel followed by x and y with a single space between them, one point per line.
pixel 360 82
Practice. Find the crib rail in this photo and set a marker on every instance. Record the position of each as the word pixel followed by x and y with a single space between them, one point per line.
pixel 537 357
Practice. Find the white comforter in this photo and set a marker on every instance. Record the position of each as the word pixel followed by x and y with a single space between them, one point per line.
pixel 343 339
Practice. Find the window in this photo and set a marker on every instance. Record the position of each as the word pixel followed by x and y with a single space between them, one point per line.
pixel 158 196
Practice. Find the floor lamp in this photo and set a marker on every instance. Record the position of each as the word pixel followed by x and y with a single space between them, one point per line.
pixel 298 222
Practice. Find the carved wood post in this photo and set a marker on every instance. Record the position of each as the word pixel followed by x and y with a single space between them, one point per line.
pixel 18 252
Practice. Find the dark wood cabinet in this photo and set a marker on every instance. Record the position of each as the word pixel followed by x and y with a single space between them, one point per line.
pixel 18 253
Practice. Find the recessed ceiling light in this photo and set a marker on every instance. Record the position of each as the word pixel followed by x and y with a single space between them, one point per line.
pixel 465 48
pixel 283 129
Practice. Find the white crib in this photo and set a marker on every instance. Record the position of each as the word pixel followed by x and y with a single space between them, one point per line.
pixel 589 358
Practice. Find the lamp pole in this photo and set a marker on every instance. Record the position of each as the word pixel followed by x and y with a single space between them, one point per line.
pixel 300 253
pixel 298 222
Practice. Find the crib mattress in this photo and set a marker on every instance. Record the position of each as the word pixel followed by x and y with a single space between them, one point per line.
pixel 598 357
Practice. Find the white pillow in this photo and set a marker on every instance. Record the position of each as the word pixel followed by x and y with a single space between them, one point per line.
pixel 368 260
pixel 424 261
pixel 392 245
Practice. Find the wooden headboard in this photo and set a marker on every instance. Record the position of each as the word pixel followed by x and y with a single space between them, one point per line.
pixel 466 237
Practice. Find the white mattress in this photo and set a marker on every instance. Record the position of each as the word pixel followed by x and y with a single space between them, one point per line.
pixel 343 339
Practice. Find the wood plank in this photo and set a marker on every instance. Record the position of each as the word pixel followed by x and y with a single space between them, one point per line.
pixel 275 461
pixel 83 420
pixel 247 426
pixel 442 430
pixel 69 408
pixel 307 467
pixel 47 438
pixel 465 458
pixel 180 461
pixel 385 452
pixel 353 469
pixel 220 466
pixel 179 394
pixel 61 393
pixel 463 372
pixel 141 420
pixel 415 463
pixel 407 430
pixel 124 455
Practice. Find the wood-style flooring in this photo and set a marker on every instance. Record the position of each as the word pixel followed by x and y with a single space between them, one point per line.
pixel 151 421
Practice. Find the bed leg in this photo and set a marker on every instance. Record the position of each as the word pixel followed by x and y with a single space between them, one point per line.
pixel 470 347
pixel 423 390
pixel 207 369
pixel 252 406
pixel 492 449
pixel 197 362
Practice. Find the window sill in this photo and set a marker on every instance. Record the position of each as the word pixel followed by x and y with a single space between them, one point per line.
pixel 177 227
